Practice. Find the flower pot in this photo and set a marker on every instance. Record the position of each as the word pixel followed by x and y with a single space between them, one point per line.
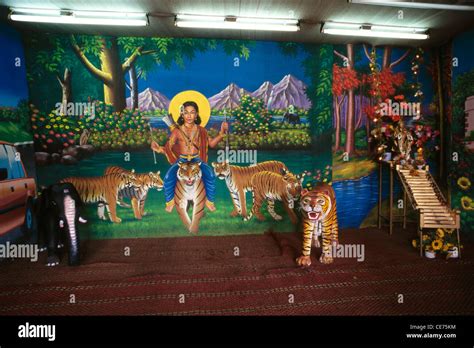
pixel 453 253
pixel 430 254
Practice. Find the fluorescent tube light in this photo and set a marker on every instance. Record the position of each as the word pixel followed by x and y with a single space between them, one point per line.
pixel 409 4
pixel 367 30
pixel 37 11
pixel 78 17
pixel 232 22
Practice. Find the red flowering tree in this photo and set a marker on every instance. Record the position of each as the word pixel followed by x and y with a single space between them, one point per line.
pixel 348 83
pixel 344 81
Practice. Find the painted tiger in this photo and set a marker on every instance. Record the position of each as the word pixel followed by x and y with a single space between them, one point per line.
pixel 238 180
pixel 103 190
pixel 137 194
pixel 318 207
pixel 268 186
pixel 190 190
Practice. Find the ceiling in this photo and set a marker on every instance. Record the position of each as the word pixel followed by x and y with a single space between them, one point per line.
pixel 443 24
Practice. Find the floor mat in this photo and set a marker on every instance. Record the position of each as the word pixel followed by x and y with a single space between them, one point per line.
pixel 241 275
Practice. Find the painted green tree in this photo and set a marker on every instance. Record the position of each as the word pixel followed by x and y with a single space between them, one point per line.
pixel 108 59
pixel 321 88
pixel 251 116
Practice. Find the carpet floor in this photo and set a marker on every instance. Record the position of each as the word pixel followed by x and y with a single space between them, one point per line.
pixel 241 275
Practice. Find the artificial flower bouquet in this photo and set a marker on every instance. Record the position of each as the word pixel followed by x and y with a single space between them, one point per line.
pixel 441 241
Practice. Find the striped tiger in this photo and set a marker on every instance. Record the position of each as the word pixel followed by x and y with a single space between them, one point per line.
pixel 268 186
pixel 190 190
pixel 238 180
pixel 319 208
pixel 103 190
pixel 139 192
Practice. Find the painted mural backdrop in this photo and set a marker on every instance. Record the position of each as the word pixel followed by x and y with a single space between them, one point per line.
pixel 14 119
pixel 364 78
pixel 98 102
pixel 13 87
pixel 461 121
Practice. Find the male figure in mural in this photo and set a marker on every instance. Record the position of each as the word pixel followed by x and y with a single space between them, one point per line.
pixel 189 142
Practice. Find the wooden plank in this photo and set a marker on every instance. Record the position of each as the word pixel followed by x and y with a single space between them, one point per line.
pixel 437 213
pixel 439 222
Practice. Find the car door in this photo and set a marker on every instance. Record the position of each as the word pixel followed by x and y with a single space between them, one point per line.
pixel 14 189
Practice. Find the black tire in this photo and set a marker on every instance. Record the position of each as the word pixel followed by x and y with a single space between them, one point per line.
pixel 29 225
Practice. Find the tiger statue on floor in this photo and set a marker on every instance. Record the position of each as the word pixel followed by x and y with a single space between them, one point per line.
pixel 318 206
pixel 103 189
pixel 238 180
pixel 136 194
pixel 270 187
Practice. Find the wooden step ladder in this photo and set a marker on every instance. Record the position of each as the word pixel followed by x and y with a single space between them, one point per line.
pixel 428 200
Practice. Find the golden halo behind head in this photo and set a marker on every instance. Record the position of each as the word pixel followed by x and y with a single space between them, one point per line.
pixel 179 99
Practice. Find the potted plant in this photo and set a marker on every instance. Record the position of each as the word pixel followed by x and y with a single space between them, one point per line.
pixel 441 241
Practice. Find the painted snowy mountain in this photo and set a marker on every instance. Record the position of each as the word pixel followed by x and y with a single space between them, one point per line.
pixel 150 99
pixel 227 98
pixel 289 91
pixel 264 91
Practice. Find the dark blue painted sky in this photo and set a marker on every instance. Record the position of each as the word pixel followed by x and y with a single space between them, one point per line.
pixel 13 86
pixel 463 49
pixel 211 71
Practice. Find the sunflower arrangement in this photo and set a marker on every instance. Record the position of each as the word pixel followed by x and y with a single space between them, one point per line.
pixel 441 241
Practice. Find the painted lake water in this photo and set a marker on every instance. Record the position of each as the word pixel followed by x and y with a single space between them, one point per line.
pixel 356 198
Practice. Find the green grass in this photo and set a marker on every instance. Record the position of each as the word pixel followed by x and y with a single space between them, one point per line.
pixel 13 133
pixel 159 223
pixel 355 168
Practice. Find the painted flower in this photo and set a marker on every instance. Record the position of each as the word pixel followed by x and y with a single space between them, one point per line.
pixel 464 183
pixel 425 237
pixel 466 203
pixel 414 242
pixel 437 244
